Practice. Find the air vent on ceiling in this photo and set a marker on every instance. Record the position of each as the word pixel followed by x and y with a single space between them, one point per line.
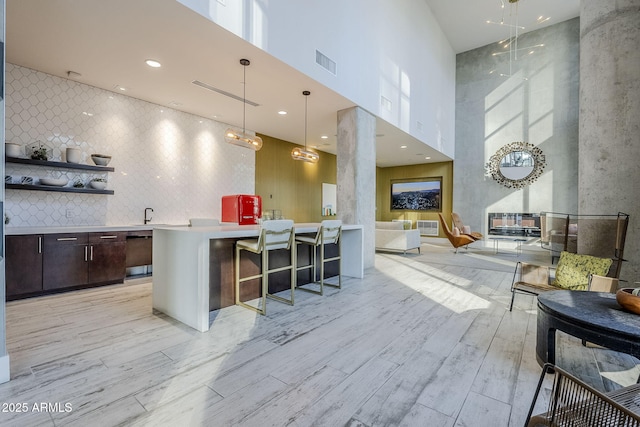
pixel 223 92
pixel 325 62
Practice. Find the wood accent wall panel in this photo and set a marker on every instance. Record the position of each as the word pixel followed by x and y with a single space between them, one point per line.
pixel 292 186
pixel 383 190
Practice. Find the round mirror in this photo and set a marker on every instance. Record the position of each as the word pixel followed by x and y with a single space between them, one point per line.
pixel 516 165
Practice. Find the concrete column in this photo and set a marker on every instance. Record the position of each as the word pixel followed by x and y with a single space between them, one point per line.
pixel 609 141
pixel 356 164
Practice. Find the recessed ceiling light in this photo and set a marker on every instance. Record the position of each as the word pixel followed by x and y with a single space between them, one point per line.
pixel 282 113
pixel 324 137
pixel 153 63
pixel 403 146
pixel 427 158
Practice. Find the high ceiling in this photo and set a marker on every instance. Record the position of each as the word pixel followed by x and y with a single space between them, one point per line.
pixel 464 22
pixel 107 42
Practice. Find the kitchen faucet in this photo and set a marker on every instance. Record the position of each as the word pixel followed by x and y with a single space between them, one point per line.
pixel 147 220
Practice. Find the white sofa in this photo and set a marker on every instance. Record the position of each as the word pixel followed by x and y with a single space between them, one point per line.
pixel 393 236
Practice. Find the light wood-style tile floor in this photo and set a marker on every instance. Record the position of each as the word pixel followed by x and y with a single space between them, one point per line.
pixel 422 340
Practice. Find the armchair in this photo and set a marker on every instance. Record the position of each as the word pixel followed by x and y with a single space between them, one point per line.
pixel 456 241
pixel 464 229
pixel 575 272
pixel 574 403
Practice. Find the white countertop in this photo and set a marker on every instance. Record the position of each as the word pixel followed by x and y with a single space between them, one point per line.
pixel 238 231
pixel 82 229
pixel 211 232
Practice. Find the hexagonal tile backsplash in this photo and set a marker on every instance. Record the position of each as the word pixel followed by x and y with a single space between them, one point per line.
pixel 174 162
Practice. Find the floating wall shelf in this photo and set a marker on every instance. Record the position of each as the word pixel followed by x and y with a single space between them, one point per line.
pixel 54 188
pixel 64 165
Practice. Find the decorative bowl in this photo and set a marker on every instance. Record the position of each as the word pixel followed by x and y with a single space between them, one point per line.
pixel 55 182
pixel 101 159
pixel 12 150
pixel 628 301
pixel 98 185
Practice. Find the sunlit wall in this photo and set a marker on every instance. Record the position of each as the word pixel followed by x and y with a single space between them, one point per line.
pixel 532 99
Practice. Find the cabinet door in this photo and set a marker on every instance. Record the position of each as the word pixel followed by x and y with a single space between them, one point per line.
pixel 107 255
pixel 65 259
pixel 23 264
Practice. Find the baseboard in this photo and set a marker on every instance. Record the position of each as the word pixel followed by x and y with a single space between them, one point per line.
pixel 5 375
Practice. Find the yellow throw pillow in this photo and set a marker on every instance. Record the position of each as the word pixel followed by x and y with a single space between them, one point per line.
pixel 573 270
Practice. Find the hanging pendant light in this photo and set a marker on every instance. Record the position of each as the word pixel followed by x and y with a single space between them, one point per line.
pixel 242 138
pixel 299 153
pixel 511 42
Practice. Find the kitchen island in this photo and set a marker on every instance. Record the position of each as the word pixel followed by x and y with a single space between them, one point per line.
pixel 193 267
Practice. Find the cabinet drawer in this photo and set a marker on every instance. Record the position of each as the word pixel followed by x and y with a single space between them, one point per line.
pixel 53 241
pixel 107 237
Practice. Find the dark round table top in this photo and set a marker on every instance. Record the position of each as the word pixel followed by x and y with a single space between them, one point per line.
pixel 591 309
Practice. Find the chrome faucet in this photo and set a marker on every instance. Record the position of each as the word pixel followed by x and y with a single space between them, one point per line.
pixel 147 220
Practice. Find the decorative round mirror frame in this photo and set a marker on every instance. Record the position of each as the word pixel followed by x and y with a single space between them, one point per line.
pixel 539 164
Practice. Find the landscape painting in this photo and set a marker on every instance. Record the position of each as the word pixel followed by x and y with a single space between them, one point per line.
pixel 422 194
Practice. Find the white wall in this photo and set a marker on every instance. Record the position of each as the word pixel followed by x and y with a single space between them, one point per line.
pixel 174 162
pixel 393 49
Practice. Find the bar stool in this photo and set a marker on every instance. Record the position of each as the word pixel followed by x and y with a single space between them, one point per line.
pixel 329 232
pixel 276 234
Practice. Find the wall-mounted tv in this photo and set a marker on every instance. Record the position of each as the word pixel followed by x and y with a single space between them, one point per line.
pixel 418 194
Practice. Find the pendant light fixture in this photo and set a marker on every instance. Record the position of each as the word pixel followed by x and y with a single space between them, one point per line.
pixel 242 138
pixel 512 41
pixel 299 153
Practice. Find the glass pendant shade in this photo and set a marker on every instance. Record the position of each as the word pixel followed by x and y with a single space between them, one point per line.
pixel 243 139
pixel 305 155
pixel 238 137
pixel 299 153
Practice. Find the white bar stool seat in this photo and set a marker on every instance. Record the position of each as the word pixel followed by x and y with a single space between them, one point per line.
pixel 276 234
pixel 329 232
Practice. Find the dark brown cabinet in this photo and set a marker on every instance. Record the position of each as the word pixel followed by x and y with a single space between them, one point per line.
pixel 23 265
pixel 64 261
pixel 107 254
pixel 46 263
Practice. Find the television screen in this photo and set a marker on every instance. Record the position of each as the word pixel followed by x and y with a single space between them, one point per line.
pixel 416 195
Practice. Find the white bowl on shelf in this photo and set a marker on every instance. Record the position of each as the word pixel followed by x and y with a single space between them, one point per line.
pixel 101 159
pixel 98 185
pixel 54 182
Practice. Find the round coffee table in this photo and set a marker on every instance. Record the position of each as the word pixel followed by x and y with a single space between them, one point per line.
pixel 592 316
